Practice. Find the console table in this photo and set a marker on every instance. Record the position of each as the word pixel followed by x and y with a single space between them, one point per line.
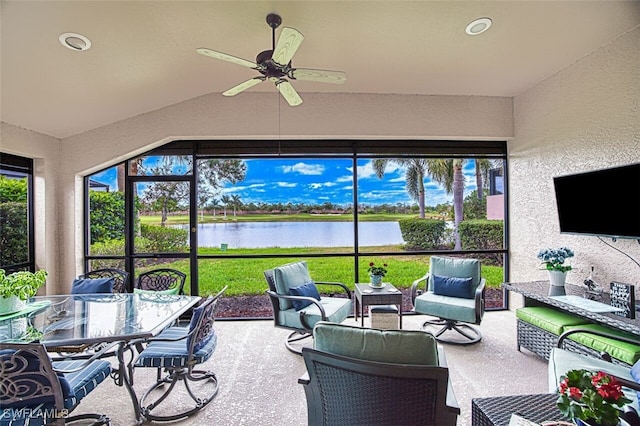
pixel 536 293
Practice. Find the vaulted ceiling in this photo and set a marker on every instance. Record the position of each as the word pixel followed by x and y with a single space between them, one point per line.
pixel 143 53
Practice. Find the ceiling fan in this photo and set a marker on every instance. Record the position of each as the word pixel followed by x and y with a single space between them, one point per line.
pixel 275 64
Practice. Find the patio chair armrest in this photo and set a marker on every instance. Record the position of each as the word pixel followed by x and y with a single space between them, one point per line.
pixel 304 379
pixel 479 298
pixel 414 287
pixel 310 299
pixel 336 283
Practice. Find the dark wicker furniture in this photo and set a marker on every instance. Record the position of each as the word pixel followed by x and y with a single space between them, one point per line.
pixel 367 296
pixel 497 411
pixel 161 279
pixel 540 341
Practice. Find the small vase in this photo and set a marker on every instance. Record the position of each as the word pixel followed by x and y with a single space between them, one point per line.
pixel 557 278
pixel 376 280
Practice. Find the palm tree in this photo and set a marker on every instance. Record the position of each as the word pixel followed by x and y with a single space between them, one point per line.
pixel 482 172
pixel 236 203
pixel 415 172
pixel 448 173
pixel 214 204
pixel 226 201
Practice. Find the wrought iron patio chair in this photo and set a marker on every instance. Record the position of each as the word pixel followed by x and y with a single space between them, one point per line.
pixel 37 391
pixel 300 313
pixel 454 293
pixel 121 284
pixel 165 280
pixel 177 351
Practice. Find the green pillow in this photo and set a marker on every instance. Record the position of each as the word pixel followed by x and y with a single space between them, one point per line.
pixel 172 290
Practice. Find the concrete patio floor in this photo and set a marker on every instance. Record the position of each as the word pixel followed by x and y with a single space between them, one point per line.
pixel 258 375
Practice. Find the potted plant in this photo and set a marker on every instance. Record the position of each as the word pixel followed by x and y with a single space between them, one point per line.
pixel 554 259
pixel 591 398
pixel 17 288
pixel 376 273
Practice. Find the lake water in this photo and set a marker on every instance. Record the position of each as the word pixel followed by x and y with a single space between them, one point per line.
pixel 297 234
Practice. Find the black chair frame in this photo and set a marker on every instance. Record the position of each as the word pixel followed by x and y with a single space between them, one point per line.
pixel 161 279
pixel 379 393
pixel 306 332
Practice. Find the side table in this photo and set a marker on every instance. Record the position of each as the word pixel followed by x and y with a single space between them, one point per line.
pixel 367 296
pixel 497 411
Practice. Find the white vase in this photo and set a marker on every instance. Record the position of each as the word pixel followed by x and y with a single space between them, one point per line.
pixel 11 304
pixel 557 278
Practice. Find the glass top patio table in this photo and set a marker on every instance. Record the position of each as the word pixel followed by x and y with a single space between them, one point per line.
pixel 101 318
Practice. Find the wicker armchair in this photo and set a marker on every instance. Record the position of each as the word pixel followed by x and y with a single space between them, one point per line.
pixel 372 377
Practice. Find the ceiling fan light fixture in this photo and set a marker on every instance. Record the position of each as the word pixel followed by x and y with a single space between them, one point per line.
pixel 478 26
pixel 75 42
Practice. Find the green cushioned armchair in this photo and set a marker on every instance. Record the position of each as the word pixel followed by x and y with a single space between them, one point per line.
pixel 376 377
pixel 452 291
pixel 301 321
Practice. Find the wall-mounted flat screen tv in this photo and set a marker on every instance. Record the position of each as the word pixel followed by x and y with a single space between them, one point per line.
pixel 602 202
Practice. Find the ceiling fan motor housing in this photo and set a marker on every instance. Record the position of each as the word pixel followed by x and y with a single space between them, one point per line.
pixel 269 68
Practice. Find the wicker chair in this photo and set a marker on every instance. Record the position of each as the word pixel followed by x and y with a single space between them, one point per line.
pixel 302 318
pixel 121 284
pixel 454 294
pixel 179 350
pixel 163 279
pixel 37 391
pixel 359 376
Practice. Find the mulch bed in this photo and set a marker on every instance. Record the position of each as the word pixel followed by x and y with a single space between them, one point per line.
pixel 260 306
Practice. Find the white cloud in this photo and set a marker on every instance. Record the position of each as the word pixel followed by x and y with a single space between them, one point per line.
pixel 319 185
pixel 286 184
pixel 304 169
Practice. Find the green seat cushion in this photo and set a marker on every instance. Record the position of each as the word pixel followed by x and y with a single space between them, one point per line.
pixel 336 309
pixel 289 276
pixel 392 346
pixel 625 352
pixel 548 319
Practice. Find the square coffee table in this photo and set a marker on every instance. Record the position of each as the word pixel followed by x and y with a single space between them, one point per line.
pixel 367 296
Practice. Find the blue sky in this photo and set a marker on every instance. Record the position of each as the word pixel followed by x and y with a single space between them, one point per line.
pixel 317 180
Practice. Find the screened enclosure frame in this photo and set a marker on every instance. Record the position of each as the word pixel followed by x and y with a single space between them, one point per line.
pixel 352 150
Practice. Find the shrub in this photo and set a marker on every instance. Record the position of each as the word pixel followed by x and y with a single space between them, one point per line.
pixel 483 235
pixel 14 239
pixel 422 234
pixel 164 239
pixel 107 215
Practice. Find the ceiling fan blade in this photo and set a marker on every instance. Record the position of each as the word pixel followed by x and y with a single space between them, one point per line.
pixel 288 92
pixel 244 86
pixel 323 76
pixel 219 55
pixel 288 43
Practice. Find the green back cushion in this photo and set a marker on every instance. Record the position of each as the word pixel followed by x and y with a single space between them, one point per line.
pixel 391 346
pixel 549 319
pixel 289 276
pixel 458 268
pixel 171 290
pixel 625 352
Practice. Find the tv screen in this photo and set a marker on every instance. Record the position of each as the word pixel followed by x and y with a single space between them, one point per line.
pixel 603 202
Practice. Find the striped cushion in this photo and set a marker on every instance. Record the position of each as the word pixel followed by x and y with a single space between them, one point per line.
pixel 82 382
pixel 174 354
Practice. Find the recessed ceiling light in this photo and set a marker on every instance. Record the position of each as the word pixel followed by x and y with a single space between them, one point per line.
pixel 478 26
pixel 74 41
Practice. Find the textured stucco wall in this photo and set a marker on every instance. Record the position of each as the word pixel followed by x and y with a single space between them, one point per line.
pixel 586 117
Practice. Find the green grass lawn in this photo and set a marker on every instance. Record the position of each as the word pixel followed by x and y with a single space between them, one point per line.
pixel 245 276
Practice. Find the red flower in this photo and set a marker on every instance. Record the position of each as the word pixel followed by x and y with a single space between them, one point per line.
pixel 575 393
